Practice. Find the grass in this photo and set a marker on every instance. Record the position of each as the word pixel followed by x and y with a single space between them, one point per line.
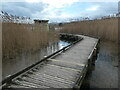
pixel 19 38
pixel 106 29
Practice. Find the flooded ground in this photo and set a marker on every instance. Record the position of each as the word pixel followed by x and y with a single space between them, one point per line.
pixel 105 71
pixel 104 74
pixel 12 66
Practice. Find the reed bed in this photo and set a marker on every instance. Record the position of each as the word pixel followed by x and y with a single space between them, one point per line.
pixel 19 38
pixel 106 29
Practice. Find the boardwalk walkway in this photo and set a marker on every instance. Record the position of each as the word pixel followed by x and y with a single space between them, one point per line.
pixel 65 70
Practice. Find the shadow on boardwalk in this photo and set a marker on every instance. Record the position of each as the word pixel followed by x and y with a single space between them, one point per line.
pixel 105 71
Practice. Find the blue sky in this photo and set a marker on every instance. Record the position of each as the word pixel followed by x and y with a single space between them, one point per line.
pixel 60 10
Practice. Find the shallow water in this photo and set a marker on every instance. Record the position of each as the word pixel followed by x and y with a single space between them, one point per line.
pixel 12 66
pixel 105 71
pixel 104 74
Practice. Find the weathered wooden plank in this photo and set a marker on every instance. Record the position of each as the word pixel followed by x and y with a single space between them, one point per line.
pixel 63 61
pixel 26 83
pixel 65 70
pixel 18 86
pixel 46 80
pixel 59 71
pixel 55 78
pixel 76 67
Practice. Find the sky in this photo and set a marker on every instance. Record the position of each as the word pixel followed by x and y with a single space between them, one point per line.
pixel 60 10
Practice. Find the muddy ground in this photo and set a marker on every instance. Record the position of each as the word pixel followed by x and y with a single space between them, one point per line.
pixel 105 70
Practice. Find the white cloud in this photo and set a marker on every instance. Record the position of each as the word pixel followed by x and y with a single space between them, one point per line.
pixel 59 3
pixel 53 3
pixel 32 1
pixel 93 8
pixel 54 10
pixel 52 15
pixel 62 3
pixel 23 9
pixel 59 0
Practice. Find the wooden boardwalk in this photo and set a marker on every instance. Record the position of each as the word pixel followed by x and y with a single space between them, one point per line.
pixel 64 70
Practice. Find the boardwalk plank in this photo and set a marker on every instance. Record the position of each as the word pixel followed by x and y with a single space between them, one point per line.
pixel 61 71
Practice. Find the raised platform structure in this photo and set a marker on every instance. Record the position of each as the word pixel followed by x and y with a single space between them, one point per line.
pixel 65 69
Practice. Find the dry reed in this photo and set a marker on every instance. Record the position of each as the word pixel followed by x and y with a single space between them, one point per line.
pixel 19 38
pixel 106 29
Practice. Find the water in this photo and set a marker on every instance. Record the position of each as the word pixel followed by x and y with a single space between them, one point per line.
pixel 104 74
pixel 105 71
pixel 12 66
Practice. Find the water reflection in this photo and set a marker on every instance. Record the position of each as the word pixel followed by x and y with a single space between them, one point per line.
pixel 105 72
pixel 63 44
pixel 12 66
